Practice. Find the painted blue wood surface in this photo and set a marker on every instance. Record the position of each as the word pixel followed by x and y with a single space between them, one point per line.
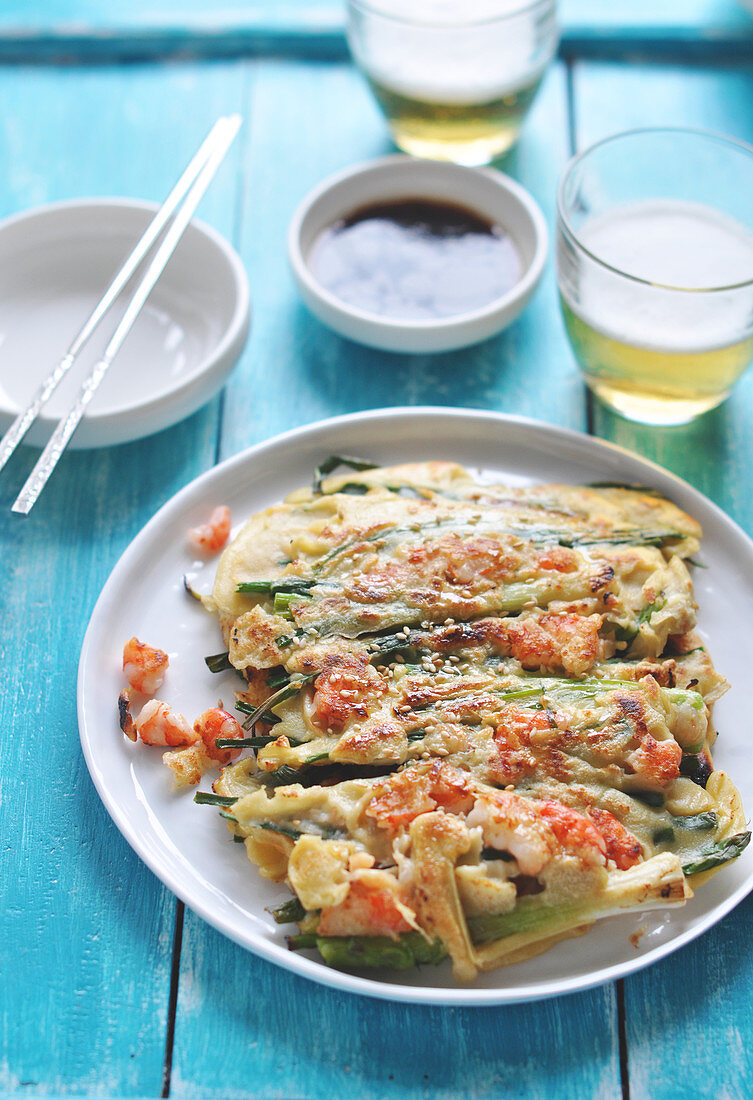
pixel 87 931
pixel 282 1037
pixel 20 16
pixel 88 31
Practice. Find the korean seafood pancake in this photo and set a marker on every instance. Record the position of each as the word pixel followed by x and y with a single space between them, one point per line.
pixel 477 718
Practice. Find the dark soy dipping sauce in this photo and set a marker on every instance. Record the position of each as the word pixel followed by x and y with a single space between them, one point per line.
pixel 415 259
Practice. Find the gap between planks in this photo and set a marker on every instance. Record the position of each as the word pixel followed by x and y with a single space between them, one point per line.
pixel 172 1008
pixel 324 40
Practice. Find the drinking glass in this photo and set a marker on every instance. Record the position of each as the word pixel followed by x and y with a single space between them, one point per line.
pixel 655 269
pixel 454 78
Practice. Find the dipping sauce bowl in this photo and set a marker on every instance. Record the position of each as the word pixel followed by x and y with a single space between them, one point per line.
pixel 417 256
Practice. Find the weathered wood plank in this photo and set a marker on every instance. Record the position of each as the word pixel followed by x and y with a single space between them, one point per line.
pixel 689 1018
pixel 91 31
pixel 87 930
pixel 279 1035
pixel 282 1036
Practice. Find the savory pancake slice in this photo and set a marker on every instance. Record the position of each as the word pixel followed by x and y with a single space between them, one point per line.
pixel 487 872
pixel 504 726
pixel 353 565
pixel 606 511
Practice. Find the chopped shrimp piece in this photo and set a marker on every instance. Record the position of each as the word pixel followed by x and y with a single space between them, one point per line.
pixel 513 824
pixel 563 641
pixel 144 666
pixel 656 761
pixel 403 796
pixel 622 847
pixel 400 799
pixel 125 717
pixel 572 829
pixel 516 730
pixel 342 691
pixel 466 561
pixel 560 558
pixel 210 537
pixel 365 912
pixel 215 723
pixel 160 724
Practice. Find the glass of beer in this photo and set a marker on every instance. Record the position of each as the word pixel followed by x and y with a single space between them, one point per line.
pixel 655 270
pixel 454 78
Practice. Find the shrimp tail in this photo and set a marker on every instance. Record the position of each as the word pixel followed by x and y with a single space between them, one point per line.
pixel 125 717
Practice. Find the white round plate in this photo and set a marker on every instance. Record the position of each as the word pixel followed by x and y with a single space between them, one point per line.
pixel 188 846
pixel 55 264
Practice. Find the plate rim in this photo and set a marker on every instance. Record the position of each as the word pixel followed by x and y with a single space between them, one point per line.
pixel 460 996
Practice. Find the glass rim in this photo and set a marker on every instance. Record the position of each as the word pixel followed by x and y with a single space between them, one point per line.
pixel 526 6
pixel 568 230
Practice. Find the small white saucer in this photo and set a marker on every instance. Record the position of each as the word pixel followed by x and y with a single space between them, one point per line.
pixel 485 191
pixel 55 263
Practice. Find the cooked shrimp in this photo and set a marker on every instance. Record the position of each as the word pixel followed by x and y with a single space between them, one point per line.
pixel 364 912
pixel 573 830
pixel 144 666
pixel 214 723
pixel 403 796
pixel 657 762
pixel 210 537
pixel 125 717
pixel 342 691
pixel 160 724
pixel 512 824
pixel 622 847
pixel 563 641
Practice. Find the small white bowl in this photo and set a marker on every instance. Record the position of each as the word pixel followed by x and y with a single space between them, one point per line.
pixel 55 263
pixel 483 190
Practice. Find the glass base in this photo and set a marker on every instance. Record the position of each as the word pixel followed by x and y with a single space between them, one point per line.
pixel 464 133
pixel 472 154
pixel 645 408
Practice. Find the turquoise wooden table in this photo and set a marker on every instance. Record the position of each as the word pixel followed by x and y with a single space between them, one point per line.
pixel 109 987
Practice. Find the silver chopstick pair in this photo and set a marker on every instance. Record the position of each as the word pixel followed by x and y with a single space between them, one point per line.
pixel 188 191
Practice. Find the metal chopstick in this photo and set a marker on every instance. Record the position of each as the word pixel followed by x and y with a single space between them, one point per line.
pixel 66 427
pixel 26 418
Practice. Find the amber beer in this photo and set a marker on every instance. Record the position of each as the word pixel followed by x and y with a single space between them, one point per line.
pixel 665 348
pixel 467 133
pixel 454 80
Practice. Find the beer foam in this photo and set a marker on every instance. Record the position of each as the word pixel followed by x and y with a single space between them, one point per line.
pixel 443 52
pixel 683 249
